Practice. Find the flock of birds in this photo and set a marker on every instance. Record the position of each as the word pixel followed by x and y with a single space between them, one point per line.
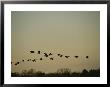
pixel 45 55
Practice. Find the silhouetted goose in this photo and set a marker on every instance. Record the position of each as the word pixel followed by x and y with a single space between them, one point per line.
pixel 67 56
pixel 11 62
pixel 76 56
pixel 28 60
pixel 87 57
pixel 58 54
pixel 32 51
pixel 40 58
pixel 45 55
pixel 50 54
pixel 15 64
pixel 23 60
pixel 51 58
pixel 61 55
pixel 34 60
pixel 38 52
pixel 18 62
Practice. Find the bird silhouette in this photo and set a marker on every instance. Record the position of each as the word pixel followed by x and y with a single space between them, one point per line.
pixel 67 56
pixel 38 52
pixel 51 58
pixel 87 57
pixel 45 55
pixel 34 60
pixel 17 63
pixel 61 55
pixel 58 54
pixel 50 54
pixel 76 56
pixel 32 51
pixel 40 58
pixel 23 60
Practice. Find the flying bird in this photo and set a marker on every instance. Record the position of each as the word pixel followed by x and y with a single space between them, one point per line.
pixel 58 54
pixel 51 58
pixel 38 52
pixel 32 51
pixel 76 56
pixel 17 63
pixel 61 55
pixel 34 60
pixel 40 58
pixel 87 57
pixel 67 56
pixel 45 55
pixel 50 54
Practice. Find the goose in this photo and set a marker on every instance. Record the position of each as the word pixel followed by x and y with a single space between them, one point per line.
pixel 67 56
pixel 32 52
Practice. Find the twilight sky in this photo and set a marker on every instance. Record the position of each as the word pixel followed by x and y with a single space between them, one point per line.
pixel 66 32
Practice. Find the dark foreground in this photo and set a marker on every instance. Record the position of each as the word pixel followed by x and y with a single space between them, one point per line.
pixel 60 73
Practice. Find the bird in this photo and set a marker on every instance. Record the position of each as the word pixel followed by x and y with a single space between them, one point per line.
pixel 28 60
pixel 76 56
pixel 87 57
pixel 45 55
pixel 23 60
pixel 67 56
pixel 58 54
pixel 38 52
pixel 51 58
pixel 11 62
pixel 50 54
pixel 61 55
pixel 32 52
pixel 34 60
pixel 17 63
pixel 40 58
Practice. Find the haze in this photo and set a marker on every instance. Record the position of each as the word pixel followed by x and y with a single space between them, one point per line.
pixel 66 32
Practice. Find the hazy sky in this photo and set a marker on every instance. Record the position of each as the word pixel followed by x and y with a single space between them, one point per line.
pixel 67 32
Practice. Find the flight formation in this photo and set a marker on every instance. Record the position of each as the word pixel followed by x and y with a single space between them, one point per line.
pixel 46 55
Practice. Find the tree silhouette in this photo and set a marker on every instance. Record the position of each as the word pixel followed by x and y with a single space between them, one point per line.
pixel 64 72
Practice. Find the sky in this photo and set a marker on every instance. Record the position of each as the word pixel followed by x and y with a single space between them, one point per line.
pixel 70 33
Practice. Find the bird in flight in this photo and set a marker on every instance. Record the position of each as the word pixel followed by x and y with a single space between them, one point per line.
pixel 87 57
pixel 38 52
pixel 40 58
pixel 32 51
pixel 50 54
pixel 76 56
pixel 51 58
pixel 67 56
pixel 45 55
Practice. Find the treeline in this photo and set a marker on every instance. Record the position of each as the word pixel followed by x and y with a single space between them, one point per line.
pixel 65 72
